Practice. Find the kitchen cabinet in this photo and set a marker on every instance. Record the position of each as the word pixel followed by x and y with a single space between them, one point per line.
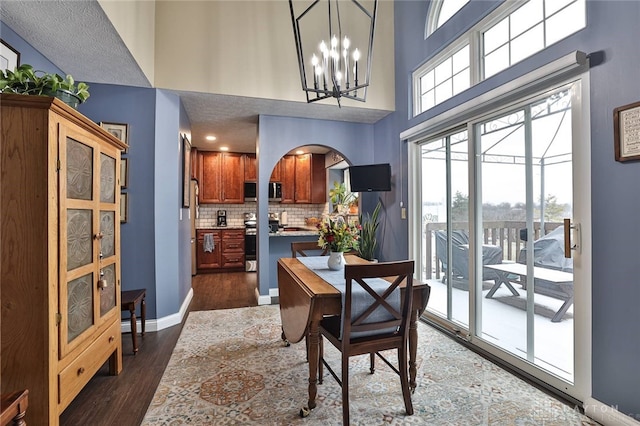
pixel 206 260
pixel 250 170
pixel 306 174
pixel 233 249
pixel 60 252
pixel 227 254
pixel 194 163
pixel 221 178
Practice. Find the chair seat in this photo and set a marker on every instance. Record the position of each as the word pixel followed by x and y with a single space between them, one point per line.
pixel 332 325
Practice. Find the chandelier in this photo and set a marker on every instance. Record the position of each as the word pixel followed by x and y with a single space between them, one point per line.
pixel 340 63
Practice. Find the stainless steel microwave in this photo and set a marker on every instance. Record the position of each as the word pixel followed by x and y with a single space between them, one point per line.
pixel 251 191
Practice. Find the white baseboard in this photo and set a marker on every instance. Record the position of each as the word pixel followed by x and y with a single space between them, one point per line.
pixel 607 415
pixel 160 323
pixel 268 300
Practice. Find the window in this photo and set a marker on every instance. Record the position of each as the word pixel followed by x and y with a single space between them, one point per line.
pixel 441 11
pixel 510 34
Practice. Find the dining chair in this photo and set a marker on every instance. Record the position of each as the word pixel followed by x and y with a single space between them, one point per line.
pixel 369 324
pixel 307 248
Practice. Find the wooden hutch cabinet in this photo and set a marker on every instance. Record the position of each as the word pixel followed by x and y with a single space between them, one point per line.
pixel 60 252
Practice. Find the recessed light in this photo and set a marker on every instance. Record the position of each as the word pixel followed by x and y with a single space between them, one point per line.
pixel 224 148
pixel 211 138
pixel 299 152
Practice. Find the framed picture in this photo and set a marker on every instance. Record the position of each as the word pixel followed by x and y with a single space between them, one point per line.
pixel 626 132
pixel 119 130
pixel 186 170
pixel 124 173
pixel 124 207
pixel 9 57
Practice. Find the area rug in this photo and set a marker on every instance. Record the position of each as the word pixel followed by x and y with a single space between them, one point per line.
pixel 229 367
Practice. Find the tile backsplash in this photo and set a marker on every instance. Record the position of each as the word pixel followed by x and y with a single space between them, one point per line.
pixel 296 213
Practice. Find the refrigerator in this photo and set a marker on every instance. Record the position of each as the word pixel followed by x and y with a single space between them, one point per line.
pixel 193 214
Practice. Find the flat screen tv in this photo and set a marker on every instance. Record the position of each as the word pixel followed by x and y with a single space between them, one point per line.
pixel 370 178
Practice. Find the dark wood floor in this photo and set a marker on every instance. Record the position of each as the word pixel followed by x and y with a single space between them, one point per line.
pixel 123 400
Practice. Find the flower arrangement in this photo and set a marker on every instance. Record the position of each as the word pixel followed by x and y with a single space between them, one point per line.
pixel 336 235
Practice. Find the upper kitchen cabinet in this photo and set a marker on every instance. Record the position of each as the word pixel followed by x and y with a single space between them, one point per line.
pixel 251 171
pixel 194 163
pixel 221 178
pixel 303 179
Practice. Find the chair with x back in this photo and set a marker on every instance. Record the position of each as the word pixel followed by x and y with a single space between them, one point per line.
pixel 375 318
pixel 307 248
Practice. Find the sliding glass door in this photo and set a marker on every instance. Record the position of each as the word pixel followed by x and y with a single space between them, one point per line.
pixel 497 201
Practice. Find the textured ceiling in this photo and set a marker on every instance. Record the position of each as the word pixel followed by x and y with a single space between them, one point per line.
pixel 80 40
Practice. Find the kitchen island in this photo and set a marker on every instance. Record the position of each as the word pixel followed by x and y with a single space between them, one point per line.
pixel 280 246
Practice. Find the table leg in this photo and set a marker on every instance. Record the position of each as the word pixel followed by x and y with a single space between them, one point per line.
pixel 143 314
pixel 313 339
pixel 502 279
pixel 413 349
pixel 563 310
pixel 134 330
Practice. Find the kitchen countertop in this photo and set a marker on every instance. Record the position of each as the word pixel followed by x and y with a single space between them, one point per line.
pixel 300 233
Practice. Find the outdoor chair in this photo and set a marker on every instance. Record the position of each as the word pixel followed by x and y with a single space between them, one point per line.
pixel 375 318
pixel 491 255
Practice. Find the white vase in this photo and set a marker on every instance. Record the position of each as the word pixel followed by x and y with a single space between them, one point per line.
pixel 336 260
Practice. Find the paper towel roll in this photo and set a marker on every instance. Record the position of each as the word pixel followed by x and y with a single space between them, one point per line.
pixel 284 219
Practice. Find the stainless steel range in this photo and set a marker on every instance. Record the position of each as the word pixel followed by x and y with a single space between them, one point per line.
pixel 251 263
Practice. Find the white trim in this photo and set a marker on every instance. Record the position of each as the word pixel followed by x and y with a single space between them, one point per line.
pixel 268 300
pixel 559 69
pixel 161 323
pixel 606 414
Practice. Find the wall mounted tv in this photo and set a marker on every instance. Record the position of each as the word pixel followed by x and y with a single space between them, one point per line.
pixel 370 178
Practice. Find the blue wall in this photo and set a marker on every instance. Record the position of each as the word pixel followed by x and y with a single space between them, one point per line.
pixel 612 30
pixel 279 135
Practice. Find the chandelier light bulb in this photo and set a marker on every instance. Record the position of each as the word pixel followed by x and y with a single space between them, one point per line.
pixel 346 43
pixel 314 60
pixel 323 48
pixel 356 54
pixel 338 76
pixel 318 70
pixel 334 42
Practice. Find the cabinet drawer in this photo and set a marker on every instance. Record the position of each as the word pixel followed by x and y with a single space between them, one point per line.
pixel 72 379
pixel 233 234
pixel 233 260
pixel 233 246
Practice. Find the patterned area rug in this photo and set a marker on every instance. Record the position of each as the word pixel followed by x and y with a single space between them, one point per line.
pixel 229 367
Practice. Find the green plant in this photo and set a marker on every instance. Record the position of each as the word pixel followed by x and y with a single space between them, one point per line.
pixel 339 195
pixel 368 240
pixel 27 81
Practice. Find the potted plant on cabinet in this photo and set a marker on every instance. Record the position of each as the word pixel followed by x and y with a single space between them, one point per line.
pixel 368 241
pixel 26 81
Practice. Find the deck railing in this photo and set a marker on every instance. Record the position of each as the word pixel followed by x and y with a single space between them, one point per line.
pixel 505 234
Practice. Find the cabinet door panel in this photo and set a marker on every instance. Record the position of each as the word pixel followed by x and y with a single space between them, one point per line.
pixel 108 231
pixel 233 178
pixel 107 179
pixel 79 306
pixel 79 170
pixel 303 179
pixel 250 171
pixel 79 238
pixel 108 293
pixel 287 172
pixel 209 190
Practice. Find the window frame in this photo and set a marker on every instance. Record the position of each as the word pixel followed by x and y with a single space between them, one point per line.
pixel 474 38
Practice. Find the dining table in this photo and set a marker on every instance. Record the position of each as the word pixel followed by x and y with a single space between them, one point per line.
pixel 305 298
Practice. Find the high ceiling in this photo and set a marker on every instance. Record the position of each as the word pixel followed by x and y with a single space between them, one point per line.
pixel 79 39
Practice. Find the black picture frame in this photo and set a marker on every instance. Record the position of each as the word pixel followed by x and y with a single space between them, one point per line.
pixel 186 171
pixel 9 57
pixel 626 132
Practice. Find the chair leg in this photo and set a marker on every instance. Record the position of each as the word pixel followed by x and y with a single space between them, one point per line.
pixel 345 389
pixel 404 379
pixel 372 362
